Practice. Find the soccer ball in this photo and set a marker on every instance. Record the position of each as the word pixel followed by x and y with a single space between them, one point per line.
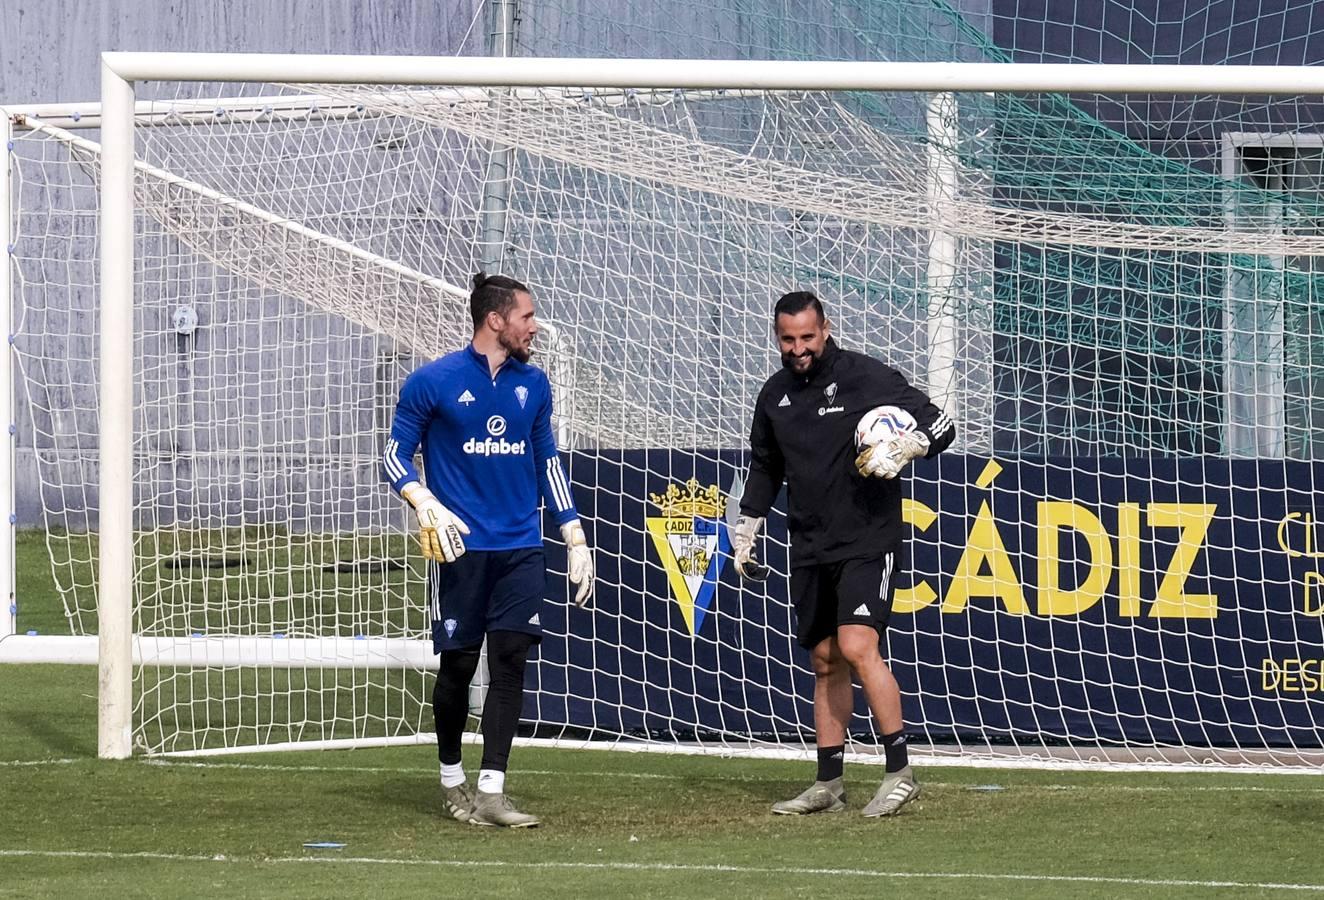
pixel 881 424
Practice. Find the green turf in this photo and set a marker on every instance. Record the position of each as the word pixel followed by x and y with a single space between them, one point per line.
pixel 617 824
pixel 236 581
pixel 280 582
pixel 38 602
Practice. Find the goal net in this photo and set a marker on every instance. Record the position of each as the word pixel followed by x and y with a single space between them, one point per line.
pixel 1115 562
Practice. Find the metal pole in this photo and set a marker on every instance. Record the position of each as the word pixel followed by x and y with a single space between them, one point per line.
pixel 729 74
pixel 115 519
pixel 941 274
pixel 8 615
pixel 496 180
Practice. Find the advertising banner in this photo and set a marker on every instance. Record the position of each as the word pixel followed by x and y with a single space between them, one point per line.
pixel 1142 601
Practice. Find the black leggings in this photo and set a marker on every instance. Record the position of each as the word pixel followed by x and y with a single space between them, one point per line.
pixel 507 654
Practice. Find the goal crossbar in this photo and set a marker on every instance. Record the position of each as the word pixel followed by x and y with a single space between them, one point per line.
pixel 732 74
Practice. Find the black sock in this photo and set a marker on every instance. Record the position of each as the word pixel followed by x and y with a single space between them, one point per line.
pixel 450 700
pixel 829 762
pixel 894 745
pixel 506 655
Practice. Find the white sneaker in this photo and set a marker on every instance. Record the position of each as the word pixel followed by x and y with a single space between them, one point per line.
pixel 897 789
pixel 821 796
pixel 458 801
pixel 497 811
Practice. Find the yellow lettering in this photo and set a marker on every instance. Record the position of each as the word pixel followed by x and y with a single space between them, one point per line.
pixel 1310 674
pixel 910 599
pixel 984 546
pixel 1282 534
pixel 1293 676
pixel 1270 675
pixel 1193 519
pixel 1128 559
pixel 1307 521
pixel 1053 516
pixel 1288 680
pixel 1316 579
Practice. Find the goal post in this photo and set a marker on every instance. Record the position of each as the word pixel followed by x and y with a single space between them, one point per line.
pixel 8 441
pixel 116 527
pixel 1075 565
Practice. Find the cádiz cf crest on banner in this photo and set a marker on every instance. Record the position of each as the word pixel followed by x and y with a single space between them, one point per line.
pixel 693 544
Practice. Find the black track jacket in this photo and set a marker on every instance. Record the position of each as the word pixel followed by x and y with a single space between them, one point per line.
pixel 804 433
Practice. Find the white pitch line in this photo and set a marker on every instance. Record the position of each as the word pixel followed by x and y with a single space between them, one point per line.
pixel 16 763
pixel 545 773
pixel 271 767
pixel 665 867
pixel 1129 788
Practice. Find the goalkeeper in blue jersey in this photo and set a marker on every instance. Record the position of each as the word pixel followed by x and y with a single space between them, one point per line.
pixel 483 417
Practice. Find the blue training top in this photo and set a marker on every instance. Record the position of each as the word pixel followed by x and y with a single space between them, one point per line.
pixel 488 448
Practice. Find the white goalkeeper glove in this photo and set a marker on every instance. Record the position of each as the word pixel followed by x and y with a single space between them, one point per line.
pixel 579 561
pixel 887 459
pixel 742 548
pixel 439 530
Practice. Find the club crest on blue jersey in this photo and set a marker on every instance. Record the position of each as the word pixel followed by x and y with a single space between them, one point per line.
pixel 521 394
pixel 692 543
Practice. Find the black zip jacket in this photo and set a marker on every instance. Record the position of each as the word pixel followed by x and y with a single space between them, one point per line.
pixel 804 433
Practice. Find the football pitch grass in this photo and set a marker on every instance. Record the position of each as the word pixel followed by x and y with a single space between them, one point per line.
pixel 616 824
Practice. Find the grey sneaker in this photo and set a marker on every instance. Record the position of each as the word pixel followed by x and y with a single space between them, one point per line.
pixel 497 810
pixel 821 796
pixel 458 801
pixel 897 789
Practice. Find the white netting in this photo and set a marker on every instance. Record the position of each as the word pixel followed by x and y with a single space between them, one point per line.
pixel 319 252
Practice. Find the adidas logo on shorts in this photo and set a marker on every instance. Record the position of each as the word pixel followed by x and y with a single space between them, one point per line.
pixel 861 610
pixel 535 620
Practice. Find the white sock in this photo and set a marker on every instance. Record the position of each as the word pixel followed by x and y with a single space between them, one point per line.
pixel 490 781
pixel 452 775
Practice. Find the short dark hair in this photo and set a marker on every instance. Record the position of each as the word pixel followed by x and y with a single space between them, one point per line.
pixel 798 302
pixel 493 293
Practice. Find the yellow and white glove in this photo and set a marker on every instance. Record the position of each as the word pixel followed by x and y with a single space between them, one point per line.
pixel 579 560
pixel 439 530
pixel 742 548
pixel 887 459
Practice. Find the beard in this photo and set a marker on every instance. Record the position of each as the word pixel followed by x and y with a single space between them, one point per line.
pixel 789 359
pixel 513 350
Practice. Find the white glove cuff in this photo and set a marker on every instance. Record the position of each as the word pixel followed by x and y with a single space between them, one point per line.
pixel 415 494
pixel 573 534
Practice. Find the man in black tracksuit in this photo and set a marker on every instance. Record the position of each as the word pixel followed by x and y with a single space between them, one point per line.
pixel 844 516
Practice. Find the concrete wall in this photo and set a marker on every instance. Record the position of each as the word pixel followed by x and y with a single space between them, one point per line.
pixel 49 54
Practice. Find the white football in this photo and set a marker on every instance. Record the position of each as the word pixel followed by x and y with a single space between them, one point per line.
pixel 882 423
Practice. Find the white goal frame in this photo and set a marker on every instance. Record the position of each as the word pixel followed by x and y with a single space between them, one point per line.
pixel 121 70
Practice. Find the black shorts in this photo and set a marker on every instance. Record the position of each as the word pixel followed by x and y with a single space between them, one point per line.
pixel 485 590
pixel 850 592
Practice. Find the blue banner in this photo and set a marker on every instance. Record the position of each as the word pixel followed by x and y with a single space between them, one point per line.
pixel 1173 601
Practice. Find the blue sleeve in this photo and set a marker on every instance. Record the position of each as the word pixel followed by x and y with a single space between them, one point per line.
pixel 413 412
pixel 553 484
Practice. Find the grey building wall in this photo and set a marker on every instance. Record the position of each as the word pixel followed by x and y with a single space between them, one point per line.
pixel 355 370
pixel 49 50
pixel 49 53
